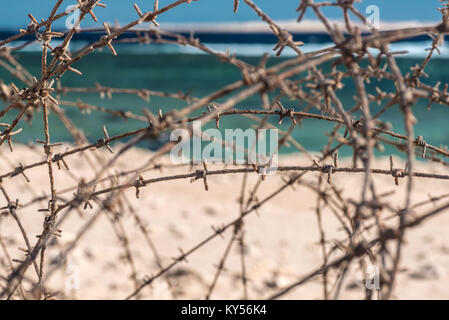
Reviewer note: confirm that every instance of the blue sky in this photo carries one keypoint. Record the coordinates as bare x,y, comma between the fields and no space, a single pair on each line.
215,10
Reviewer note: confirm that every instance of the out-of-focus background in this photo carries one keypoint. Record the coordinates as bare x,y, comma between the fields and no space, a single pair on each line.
279,243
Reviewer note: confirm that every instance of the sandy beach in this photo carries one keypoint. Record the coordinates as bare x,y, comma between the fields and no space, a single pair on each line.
281,240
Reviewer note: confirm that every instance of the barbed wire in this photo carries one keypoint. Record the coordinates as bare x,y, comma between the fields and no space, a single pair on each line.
316,89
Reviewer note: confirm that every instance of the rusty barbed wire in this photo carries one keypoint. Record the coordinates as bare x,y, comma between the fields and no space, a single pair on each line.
300,79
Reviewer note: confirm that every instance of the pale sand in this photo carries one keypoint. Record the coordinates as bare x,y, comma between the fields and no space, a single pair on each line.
282,241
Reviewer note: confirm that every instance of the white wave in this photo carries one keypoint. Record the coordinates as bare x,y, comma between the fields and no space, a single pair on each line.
413,49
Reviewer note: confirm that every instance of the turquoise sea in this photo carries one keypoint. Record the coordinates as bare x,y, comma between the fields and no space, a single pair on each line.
199,75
